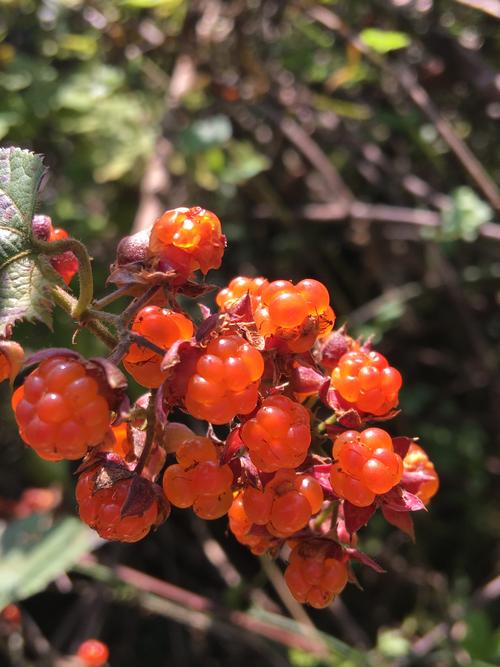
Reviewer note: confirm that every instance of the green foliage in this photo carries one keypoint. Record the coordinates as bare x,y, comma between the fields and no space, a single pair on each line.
36,550
384,41
24,286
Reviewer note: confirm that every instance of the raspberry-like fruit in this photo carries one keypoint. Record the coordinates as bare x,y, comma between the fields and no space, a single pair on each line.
11,359
415,460
365,465
279,434
313,576
296,314
256,538
162,327
366,380
286,503
198,480
226,381
60,410
237,288
66,264
105,509
187,239
93,653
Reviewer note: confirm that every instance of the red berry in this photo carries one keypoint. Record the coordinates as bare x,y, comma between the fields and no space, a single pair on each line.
162,327
279,435
60,410
11,359
237,288
103,509
93,653
66,264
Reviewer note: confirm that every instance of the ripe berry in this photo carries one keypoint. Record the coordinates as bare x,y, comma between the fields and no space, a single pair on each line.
226,380
93,653
66,264
313,576
60,409
416,460
364,466
366,380
198,479
296,314
162,327
105,509
256,538
187,239
279,434
11,359
237,288
286,503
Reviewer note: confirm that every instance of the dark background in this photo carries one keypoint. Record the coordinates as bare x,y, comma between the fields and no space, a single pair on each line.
314,142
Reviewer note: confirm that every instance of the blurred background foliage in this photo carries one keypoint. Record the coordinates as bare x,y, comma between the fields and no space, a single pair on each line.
353,142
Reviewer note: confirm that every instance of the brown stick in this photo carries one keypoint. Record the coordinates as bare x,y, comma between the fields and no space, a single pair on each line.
407,81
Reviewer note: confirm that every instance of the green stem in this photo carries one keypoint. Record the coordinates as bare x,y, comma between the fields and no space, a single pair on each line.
84,269
68,304
321,427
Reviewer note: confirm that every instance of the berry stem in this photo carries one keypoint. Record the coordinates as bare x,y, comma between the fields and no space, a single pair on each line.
100,304
321,427
133,308
68,303
84,269
150,432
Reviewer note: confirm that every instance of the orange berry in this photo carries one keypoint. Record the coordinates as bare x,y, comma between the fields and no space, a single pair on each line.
366,380
60,411
93,653
416,459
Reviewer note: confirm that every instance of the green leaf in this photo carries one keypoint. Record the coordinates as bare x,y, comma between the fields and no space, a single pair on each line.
464,217
383,41
24,285
34,551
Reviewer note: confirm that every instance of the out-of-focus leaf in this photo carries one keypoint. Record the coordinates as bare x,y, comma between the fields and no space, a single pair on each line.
151,4
24,287
85,89
206,133
244,163
463,219
34,551
383,41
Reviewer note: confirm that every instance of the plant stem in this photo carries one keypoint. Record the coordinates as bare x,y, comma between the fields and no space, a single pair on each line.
68,303
133,307
150,433
321,427
101,303
84,269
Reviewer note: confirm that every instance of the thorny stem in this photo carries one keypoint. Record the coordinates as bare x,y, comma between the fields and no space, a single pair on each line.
150,433
85,276
68,304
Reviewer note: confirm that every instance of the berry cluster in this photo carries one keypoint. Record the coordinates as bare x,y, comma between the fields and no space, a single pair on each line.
267,370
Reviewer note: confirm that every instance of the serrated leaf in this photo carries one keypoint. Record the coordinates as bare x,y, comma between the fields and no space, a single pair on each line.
24,285
34,551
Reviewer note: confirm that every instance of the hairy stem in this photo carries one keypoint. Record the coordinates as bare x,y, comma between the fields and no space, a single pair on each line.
85,276
101,303
68,303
